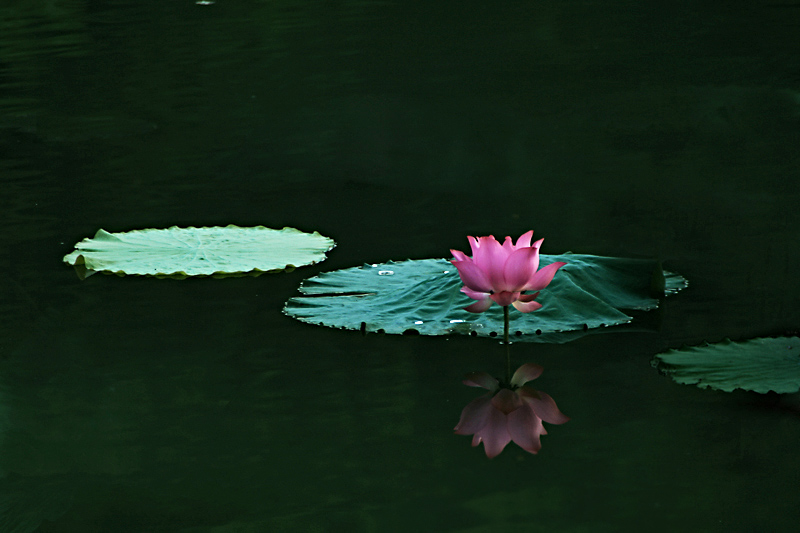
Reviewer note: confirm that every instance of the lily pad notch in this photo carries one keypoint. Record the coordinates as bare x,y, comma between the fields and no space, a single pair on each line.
207,251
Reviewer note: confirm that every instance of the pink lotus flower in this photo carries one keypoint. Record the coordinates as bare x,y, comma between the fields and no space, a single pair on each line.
501,273
508,413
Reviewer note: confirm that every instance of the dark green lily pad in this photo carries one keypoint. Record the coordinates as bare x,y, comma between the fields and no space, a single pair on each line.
181,252
760,365
423,296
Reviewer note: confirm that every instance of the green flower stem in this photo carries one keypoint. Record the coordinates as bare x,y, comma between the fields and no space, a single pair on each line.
505,341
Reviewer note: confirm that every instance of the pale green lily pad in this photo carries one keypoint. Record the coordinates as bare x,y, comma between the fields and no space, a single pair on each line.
760,365
423,296
215,251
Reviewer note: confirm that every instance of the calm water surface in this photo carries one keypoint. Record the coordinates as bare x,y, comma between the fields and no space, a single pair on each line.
144,405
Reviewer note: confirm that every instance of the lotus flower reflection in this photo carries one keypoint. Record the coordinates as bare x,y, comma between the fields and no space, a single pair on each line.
508,413
501,273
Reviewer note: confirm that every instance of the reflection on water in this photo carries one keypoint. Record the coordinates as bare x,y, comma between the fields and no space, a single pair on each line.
512,411
625,130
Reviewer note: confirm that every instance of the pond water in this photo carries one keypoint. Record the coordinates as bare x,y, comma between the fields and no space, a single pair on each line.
665,131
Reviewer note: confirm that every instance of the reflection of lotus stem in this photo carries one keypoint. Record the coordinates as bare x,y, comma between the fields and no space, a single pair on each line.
505,341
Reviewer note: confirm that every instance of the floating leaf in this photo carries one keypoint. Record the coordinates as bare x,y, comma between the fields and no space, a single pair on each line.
759,365
180,252
423,296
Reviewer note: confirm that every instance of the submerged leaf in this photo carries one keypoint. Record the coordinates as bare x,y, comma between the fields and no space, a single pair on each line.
424,296
181,252
760,365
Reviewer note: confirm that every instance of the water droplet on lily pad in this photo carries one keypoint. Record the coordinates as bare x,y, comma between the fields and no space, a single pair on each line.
208,251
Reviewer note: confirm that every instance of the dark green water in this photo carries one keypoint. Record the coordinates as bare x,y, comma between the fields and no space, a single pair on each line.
612,128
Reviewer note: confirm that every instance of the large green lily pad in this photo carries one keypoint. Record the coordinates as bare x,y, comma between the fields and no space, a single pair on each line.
424,296
214,251
760,365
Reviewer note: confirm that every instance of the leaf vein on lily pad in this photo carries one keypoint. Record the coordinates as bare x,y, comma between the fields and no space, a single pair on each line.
760,365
